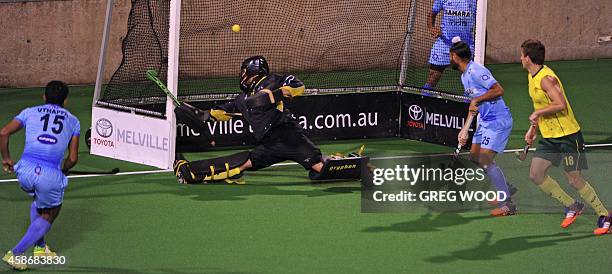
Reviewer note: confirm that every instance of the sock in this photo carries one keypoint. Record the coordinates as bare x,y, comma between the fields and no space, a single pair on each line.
427,87
33,215
552,188
588,194
38,228
498,179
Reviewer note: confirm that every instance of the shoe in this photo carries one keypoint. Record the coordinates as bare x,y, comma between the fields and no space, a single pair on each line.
183,173
9,259
511,188
603,225
571,213
43,251
506,210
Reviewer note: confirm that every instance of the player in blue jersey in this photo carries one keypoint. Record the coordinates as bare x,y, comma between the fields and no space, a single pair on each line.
495,123
49,131
458,19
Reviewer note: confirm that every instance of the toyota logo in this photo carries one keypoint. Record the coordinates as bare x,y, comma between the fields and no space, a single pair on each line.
104,128
415,112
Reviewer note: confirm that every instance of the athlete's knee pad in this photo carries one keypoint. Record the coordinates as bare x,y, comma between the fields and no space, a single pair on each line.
344,168
219,168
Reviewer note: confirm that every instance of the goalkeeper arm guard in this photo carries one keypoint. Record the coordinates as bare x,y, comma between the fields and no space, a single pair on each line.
264,98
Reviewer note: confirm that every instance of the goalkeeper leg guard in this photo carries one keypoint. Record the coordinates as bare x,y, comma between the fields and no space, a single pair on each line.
344,168
219,169
183,173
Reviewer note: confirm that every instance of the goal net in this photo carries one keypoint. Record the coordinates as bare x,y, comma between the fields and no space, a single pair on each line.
331,45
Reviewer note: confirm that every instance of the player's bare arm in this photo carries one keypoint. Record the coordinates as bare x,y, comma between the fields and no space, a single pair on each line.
494,92
463,134
551,86
73,154
531,135
431,26
12,127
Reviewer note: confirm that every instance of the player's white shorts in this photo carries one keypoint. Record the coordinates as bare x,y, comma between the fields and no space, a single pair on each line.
493,135
440,53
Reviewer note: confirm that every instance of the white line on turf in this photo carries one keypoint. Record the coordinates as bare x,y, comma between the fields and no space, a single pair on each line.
279,164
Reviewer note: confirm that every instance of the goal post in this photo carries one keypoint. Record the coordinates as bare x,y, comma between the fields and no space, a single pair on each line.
128,133
480,32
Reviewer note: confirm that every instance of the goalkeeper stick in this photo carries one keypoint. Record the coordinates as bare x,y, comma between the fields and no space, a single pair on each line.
152,75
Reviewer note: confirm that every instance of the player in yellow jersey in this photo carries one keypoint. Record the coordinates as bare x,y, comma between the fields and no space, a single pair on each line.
561,142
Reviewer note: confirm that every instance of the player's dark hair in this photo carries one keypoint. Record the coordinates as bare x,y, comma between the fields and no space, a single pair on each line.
462,50
56,92
535,50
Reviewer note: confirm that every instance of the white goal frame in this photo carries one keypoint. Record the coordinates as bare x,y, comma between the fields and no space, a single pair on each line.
129,134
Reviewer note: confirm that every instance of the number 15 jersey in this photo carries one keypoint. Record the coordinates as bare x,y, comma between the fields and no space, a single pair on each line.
48,131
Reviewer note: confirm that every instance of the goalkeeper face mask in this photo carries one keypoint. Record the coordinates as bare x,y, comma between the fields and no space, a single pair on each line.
245,82
248,82
251,70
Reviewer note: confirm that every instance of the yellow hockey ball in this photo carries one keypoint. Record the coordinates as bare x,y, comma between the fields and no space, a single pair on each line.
236,28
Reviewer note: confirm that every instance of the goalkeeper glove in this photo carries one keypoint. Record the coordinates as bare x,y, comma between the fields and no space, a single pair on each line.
219,115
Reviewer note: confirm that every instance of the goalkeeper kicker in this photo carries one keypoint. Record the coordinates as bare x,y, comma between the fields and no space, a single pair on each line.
278,134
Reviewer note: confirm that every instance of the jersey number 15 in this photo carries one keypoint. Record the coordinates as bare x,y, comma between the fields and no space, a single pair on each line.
58,123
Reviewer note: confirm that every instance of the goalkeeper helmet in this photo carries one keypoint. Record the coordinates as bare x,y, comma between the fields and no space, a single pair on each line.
254,66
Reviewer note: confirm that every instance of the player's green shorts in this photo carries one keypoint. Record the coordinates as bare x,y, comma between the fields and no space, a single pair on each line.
567,150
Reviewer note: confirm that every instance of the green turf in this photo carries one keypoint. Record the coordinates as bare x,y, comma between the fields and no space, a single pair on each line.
280,222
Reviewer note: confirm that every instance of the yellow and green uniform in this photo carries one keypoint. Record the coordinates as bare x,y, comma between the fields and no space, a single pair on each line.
551,125
562,141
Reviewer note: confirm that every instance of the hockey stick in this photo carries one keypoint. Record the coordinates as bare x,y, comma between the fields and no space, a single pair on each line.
522,155
83,172
152,75
468,123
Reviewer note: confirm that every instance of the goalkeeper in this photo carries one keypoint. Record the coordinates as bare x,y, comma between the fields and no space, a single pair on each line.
278,134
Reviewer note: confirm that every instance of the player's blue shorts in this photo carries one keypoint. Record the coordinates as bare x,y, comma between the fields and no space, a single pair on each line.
44,182
440,53
493,135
